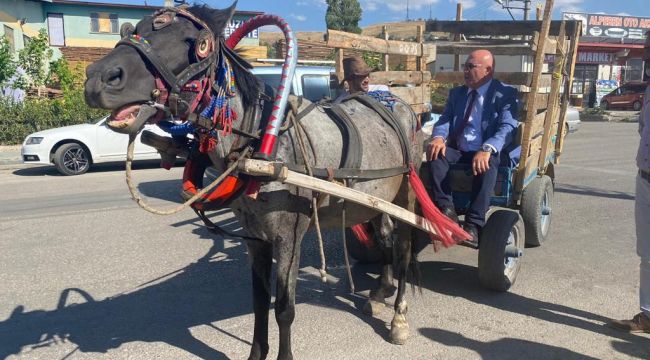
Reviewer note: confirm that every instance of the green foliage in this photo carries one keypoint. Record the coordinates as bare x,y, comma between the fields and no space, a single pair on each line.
374,60
33,58
439,94
19,119
7,62
343,15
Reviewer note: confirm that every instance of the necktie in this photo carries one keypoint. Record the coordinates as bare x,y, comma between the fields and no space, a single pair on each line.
459,128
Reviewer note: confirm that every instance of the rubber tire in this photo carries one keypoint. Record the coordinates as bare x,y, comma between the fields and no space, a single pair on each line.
531,210
360,252
604,105
59,159
492,271
636,106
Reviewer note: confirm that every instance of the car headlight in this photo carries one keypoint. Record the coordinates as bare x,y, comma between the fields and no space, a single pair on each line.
33,140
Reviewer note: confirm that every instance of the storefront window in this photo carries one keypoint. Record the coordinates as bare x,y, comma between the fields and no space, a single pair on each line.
584,77
634,70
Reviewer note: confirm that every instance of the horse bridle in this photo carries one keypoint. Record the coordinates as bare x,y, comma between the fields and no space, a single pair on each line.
169,86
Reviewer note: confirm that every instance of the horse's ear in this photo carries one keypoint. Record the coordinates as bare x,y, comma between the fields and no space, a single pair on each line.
217,19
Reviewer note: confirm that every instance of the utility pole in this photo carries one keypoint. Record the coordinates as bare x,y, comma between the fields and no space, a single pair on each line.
526,9
407,10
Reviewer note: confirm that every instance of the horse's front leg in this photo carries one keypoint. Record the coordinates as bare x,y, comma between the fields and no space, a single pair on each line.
399,328
261,256
383,227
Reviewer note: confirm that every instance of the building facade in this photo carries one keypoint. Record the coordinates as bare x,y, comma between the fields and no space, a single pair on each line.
610,51
79,30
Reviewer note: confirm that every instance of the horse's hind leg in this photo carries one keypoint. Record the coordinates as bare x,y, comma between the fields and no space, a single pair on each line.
399,328
383,227
261,256
287,254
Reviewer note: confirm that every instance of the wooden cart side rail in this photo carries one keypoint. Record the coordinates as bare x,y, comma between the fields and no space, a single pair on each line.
344,40
499,28
568,85
531,113
552,111
510,78
400,77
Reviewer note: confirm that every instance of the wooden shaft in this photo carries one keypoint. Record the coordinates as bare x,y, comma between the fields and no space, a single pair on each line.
266,168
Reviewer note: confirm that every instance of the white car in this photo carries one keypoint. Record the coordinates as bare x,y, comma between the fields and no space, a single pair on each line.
73,149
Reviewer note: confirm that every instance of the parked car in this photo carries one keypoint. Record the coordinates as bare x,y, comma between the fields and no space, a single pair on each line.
310,82
572,119
74,149
626,97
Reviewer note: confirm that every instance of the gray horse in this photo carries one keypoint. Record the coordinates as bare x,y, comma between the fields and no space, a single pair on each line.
280,215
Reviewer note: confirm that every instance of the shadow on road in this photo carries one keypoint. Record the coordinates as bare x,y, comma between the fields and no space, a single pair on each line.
589,191
164,309
95,168
459,280
161,310
503,349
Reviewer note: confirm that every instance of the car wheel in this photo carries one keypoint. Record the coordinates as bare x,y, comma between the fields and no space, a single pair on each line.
636,105
536,204
72,159
604,105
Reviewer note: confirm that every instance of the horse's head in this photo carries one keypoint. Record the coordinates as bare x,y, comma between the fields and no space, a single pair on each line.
149,69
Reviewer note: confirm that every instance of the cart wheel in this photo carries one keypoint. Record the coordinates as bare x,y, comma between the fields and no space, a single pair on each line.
359,251
536,205
502,244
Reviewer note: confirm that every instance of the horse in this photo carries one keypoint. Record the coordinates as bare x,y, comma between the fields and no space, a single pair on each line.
170,46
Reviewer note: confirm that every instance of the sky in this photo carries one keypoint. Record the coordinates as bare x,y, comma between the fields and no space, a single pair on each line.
309,15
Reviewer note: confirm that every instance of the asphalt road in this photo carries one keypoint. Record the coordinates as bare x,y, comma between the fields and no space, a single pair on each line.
85,273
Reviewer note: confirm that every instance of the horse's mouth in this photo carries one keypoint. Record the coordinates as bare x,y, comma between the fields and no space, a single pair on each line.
130,119
123,117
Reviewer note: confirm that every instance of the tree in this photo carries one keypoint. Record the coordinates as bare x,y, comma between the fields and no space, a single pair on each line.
7,62
343,15
33,59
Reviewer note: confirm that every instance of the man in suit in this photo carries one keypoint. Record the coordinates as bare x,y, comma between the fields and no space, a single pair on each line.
479,120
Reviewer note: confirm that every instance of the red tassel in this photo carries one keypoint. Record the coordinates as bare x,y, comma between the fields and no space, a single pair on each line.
362,233
449,233
207,143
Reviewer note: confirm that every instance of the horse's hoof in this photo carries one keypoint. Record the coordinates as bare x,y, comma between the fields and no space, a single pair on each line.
373,307
399,330
399,335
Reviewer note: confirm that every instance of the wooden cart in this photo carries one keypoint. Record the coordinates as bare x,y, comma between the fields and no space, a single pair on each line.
522,201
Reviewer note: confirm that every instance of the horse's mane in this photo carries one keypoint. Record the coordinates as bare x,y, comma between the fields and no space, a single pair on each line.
247,84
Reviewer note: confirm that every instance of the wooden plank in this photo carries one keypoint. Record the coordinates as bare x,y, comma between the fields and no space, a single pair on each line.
266,168
550,45
537,71
421,108
501,27
571,57
400,77
512,78
384,31
537,126
541,101
421,62
338,55
552,110
462,48
411,95
340,39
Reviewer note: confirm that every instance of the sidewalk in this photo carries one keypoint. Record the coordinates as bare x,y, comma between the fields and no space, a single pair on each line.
10,155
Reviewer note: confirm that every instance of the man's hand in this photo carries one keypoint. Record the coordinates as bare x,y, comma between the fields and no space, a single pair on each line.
436,147
481,162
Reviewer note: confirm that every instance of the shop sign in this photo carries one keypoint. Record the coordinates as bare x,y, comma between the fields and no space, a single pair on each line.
595,57
234,24
611,26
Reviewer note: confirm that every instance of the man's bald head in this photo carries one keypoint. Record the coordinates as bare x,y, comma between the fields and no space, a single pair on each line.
479,68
